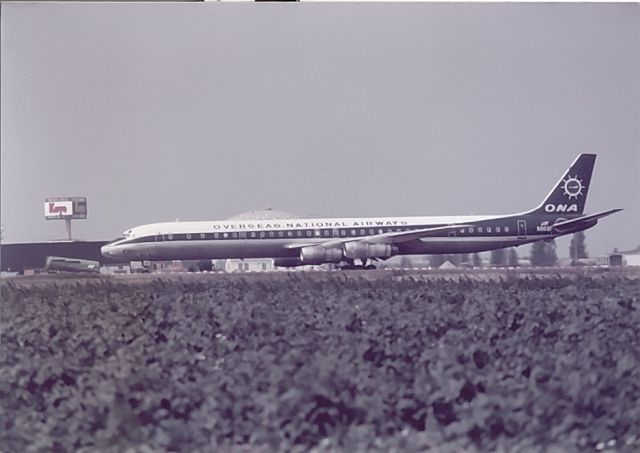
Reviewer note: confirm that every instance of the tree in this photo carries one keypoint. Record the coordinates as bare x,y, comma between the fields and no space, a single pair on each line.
498,258
577,248
537,257
477,261
551,253
543,253
512,258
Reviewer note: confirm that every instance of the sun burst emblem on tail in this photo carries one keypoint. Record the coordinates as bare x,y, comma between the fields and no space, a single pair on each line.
572,187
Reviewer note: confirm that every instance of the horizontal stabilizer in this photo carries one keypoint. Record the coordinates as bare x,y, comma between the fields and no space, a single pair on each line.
570,224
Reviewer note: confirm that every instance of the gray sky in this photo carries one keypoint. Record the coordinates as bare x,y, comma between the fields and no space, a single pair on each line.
203,111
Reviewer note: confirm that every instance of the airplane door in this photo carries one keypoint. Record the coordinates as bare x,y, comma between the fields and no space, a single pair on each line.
522,229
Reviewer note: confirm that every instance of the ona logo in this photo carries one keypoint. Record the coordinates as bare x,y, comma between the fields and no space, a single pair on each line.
561,208
572,187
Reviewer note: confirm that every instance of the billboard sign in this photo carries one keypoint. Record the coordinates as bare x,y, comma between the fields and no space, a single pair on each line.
65,208
57,209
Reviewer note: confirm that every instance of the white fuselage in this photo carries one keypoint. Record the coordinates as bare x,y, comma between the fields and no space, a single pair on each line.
315,241
284,237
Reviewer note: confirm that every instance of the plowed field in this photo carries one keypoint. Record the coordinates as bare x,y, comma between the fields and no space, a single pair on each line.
320,361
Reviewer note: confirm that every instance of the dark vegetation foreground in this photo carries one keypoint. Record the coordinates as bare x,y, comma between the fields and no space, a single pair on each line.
327,363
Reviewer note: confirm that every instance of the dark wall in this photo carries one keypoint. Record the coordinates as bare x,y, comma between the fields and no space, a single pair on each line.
16,257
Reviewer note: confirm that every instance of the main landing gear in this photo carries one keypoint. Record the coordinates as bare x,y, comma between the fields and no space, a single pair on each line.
352,266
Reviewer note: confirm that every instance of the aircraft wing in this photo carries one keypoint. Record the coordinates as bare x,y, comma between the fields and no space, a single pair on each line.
393,237
568,224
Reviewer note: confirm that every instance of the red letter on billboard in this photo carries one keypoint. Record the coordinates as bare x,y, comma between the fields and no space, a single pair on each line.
53,209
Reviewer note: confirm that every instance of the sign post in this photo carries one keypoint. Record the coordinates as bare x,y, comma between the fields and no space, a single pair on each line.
68,228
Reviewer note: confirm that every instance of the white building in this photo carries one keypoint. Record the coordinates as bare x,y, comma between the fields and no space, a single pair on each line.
620,258
249,265
115,269
629,257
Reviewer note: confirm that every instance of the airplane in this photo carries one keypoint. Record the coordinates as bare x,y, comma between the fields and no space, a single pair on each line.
357,243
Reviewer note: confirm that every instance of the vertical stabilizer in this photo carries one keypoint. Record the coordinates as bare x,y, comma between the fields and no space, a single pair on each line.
570,192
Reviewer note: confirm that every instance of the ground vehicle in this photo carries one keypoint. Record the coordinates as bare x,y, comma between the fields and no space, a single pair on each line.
62,264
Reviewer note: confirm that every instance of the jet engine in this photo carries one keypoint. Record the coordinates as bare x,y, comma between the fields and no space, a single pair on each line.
361,250
319,255
287,262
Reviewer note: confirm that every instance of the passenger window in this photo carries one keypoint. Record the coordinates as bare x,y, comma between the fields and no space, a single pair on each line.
506,229
309,233
488,229
188,235
343,232
326,233
253,234
170,236
371,231
272,234
353,232
362,232
225,235
471,230
202,235
497,229
234,235
461,230
281,234
299,233
290,233
479,229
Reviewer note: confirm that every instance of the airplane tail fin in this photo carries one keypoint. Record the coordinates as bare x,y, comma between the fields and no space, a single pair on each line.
570,192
